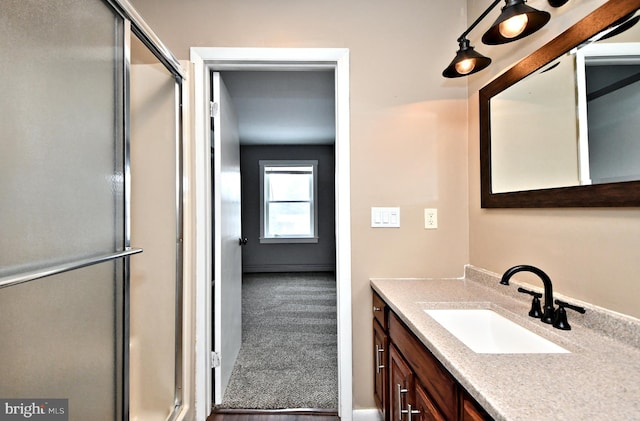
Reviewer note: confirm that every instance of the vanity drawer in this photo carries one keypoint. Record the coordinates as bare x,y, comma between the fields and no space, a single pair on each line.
380,310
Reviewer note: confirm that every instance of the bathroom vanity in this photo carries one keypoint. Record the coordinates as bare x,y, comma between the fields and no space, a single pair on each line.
423,371
419,386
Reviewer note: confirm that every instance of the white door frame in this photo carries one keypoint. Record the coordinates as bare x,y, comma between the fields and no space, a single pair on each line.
206,59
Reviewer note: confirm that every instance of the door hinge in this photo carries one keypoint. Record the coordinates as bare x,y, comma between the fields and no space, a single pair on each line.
215,360
213,109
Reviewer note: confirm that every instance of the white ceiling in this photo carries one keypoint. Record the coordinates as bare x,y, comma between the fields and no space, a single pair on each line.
283,107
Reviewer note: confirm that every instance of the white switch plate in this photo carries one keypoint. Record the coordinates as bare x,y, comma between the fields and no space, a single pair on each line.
385,217
430,219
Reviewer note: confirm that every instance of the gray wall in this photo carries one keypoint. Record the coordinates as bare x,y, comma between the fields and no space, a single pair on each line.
258,257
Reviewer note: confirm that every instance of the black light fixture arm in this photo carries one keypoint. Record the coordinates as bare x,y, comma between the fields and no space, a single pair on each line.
477,21
516,21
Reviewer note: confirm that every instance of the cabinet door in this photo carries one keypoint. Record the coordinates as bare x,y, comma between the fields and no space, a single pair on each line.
400,385
380,344
471,411
427,411
441,386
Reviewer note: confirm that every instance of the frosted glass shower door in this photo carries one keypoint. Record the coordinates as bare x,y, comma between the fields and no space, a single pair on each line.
156,320
62,206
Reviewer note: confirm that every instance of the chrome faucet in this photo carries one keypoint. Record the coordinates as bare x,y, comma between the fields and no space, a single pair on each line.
548,311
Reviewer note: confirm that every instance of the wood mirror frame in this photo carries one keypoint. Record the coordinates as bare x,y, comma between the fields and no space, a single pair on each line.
596,195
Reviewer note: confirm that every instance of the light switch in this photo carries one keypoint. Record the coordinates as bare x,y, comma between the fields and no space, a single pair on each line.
385,217
376,217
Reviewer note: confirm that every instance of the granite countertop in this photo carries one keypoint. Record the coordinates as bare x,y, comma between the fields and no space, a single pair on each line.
598,380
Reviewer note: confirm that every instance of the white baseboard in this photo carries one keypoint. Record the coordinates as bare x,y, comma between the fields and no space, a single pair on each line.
367,415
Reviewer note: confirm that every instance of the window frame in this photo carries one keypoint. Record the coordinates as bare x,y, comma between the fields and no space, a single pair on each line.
313,238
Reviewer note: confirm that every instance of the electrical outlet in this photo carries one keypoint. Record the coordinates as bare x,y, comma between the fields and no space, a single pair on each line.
430,219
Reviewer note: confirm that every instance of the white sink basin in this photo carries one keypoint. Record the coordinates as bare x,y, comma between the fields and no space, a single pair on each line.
487,332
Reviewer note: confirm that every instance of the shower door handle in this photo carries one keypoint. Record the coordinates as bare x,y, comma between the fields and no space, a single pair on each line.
10,280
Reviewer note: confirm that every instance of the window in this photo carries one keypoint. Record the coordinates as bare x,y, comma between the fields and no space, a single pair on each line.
288,205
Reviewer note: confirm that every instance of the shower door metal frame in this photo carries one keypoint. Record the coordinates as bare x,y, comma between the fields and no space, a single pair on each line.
133,24
136,26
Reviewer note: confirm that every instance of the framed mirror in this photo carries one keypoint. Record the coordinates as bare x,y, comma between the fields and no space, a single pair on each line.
562,127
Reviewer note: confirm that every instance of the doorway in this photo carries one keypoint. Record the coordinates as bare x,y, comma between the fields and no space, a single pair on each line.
206,59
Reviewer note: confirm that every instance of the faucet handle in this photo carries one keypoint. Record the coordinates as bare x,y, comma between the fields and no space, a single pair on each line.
536,310
560,321
532,293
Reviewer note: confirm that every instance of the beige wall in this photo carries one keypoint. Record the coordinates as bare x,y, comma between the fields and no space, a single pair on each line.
409,132
408,124
591,254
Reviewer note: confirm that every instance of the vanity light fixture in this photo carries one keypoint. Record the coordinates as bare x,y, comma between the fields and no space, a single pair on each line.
516,21
557,3
466,62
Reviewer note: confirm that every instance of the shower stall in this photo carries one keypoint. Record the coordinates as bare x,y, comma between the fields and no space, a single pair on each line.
91,214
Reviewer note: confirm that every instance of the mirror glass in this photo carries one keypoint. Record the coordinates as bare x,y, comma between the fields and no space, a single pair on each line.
573,122
562,127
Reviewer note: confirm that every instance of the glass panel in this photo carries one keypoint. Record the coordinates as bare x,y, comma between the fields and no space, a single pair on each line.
61,110
62,200
613,115
58,336
154,229
289,186
289,219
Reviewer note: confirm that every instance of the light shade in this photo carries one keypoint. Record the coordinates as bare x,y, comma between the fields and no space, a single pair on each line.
516,21
466,62
557,3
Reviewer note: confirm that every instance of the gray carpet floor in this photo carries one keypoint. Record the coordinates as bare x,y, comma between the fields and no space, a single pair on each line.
288,357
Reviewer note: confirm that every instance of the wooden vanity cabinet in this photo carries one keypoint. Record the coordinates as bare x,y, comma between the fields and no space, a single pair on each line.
401,380
439,389
380,311
380,356
413,385
471,411
380,351
408,400
425,407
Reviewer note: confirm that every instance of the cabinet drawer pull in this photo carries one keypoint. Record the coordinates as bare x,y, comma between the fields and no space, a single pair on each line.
376,308
378,365
411,412
400,410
